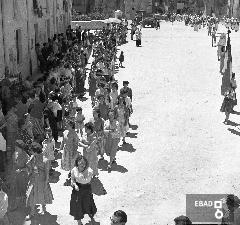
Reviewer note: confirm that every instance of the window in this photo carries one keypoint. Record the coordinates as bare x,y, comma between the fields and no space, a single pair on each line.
35,4
48,28
14,9
57,27
19,45
36,33
47,6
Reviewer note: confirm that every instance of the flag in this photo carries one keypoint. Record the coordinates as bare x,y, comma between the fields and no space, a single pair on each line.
225,61
227,70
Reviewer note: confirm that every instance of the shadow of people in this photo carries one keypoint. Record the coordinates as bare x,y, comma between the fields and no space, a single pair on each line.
67,182
93,222
46,219
235,112
133,127
127,148
118,168
234,131
54,178
231,123
97,187
131,135
103,165
83,99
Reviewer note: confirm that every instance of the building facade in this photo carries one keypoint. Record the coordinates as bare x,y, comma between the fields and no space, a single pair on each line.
23,23
133,6
83,6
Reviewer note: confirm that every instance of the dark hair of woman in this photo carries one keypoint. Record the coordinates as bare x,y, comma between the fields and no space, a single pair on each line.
71,124
53,80
89,126
115,85
120,98
32,94
42,97
78,109
79,158
24,100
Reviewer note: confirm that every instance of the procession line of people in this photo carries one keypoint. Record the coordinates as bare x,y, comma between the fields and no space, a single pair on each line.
48,109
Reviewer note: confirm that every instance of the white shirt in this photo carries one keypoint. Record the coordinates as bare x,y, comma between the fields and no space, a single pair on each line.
56,107
68,73
2,143
3,204
79,178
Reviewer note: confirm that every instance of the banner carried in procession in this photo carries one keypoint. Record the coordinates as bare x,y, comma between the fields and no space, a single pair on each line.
89,25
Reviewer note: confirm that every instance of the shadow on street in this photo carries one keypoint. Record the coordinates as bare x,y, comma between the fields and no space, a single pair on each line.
103,164
234,131
97,187
127,148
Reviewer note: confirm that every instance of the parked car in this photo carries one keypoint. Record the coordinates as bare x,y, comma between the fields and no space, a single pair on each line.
148,22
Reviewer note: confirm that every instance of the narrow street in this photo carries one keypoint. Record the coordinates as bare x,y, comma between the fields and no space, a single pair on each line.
178,143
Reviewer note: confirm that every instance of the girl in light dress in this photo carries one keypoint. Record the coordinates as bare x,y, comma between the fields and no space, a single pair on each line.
114,94
122,115
28,126
49,148
39,191
69,146
112,132
98,124
90,151
73,107
79,120
4,205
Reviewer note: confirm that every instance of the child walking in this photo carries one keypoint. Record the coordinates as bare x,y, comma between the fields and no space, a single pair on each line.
79,119
49,148
121,59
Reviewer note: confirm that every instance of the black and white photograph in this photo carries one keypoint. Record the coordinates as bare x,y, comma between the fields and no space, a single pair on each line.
119,112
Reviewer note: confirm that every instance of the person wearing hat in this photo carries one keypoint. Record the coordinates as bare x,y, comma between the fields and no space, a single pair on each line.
39,191
126,88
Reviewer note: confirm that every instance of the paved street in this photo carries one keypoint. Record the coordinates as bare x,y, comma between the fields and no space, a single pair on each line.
178,143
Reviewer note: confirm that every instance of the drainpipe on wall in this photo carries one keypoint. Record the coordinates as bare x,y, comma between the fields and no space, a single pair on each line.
29,41
3,33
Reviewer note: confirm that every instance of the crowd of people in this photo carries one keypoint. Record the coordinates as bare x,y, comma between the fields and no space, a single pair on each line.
34,116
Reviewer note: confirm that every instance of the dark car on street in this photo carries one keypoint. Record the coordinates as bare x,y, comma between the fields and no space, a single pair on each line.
148,22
